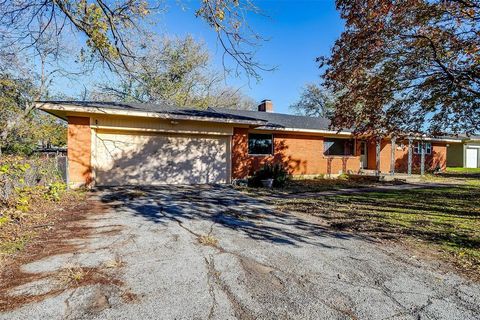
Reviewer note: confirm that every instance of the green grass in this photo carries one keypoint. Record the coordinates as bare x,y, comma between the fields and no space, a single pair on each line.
460,170
445,220
296,186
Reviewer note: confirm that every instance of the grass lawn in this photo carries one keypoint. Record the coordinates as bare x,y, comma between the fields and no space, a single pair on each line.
460,170
315,185
443,221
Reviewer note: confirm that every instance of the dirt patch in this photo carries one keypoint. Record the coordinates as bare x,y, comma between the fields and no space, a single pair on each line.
69,224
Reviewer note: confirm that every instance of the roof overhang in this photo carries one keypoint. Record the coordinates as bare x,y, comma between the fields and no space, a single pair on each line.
63,111
300,130
449,140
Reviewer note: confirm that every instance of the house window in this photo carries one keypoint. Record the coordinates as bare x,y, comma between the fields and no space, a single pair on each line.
260,144
338,147
417,148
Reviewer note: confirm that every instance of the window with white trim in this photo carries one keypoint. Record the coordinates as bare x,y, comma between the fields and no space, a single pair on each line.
417,148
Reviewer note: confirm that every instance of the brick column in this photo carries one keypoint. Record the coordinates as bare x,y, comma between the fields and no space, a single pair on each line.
79,152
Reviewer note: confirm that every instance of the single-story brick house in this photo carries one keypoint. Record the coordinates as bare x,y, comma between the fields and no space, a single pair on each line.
130,144
465,154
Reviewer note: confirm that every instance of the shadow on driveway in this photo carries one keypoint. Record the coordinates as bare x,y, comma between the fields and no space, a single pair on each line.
222,205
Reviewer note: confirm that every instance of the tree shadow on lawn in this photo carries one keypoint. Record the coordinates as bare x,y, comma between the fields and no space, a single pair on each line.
452,174
218,204
444,216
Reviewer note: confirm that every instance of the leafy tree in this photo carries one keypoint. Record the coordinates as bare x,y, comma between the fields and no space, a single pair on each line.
49,131
22,130
408,65
107,27
176,71
315,101
14,97
24,81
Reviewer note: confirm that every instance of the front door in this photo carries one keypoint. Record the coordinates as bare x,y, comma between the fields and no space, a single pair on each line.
363,155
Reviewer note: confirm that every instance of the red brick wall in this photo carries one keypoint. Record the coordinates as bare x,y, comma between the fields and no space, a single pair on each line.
437,158
301,154
79,151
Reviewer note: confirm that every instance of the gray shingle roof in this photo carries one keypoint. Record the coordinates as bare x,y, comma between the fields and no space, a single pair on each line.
156,108
271,120
280,120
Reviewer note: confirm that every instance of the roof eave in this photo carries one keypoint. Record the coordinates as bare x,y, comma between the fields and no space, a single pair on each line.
324,131
62,110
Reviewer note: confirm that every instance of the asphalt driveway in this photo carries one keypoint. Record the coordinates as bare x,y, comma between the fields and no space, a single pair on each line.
208,252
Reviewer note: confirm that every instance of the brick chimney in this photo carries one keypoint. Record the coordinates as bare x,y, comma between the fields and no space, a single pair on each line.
265,106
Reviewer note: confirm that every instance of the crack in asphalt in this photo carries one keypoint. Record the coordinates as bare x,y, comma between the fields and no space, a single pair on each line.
211,289
68,309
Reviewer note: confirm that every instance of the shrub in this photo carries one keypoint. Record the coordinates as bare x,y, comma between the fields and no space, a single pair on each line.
55,190
343,176
24,181
275,171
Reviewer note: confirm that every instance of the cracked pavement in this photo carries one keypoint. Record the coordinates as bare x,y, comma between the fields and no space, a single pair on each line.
265,265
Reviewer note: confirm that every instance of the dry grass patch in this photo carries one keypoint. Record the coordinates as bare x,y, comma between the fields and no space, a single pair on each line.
136,194
72,275
208,240
65,224
295,186
114,263
42,214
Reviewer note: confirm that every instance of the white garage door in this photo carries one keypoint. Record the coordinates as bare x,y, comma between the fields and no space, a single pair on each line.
156,159
472,158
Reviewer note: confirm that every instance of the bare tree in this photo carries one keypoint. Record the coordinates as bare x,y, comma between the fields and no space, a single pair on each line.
175,71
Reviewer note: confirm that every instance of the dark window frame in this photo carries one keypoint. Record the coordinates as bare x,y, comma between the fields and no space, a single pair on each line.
260,154
352,149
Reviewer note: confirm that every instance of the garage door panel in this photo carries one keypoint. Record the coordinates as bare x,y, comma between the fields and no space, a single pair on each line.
160,159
